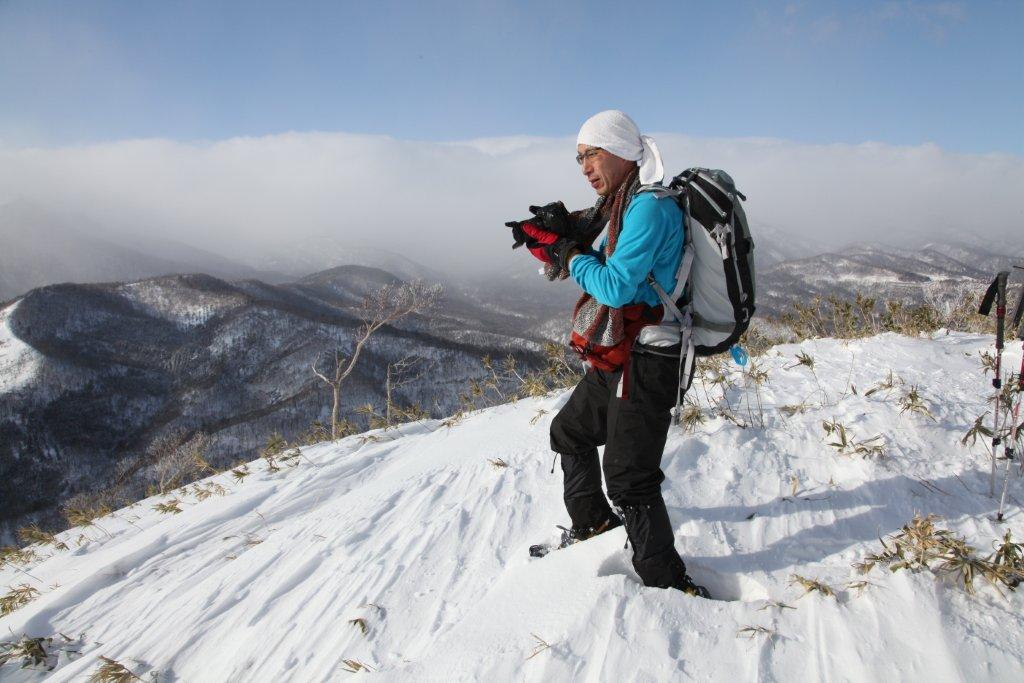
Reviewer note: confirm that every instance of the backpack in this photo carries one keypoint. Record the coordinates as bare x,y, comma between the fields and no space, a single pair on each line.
713,301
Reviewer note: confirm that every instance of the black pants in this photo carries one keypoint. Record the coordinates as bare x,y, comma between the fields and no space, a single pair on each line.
633,431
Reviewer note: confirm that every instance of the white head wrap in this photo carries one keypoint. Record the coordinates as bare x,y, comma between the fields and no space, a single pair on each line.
614,131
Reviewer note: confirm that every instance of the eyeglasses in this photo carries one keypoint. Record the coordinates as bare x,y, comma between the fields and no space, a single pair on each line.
589,154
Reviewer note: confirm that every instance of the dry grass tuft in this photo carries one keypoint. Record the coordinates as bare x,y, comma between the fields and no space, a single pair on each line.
112,671
31,652
976,430
812,586
170,507
15,556
886,385
360,623
752,632
33,534
847,445
691,417
80,513
921,545
497,463
240,472
203,491
17,597
354,666
911,402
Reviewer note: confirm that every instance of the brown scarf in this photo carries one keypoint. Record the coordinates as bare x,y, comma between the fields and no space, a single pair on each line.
600,325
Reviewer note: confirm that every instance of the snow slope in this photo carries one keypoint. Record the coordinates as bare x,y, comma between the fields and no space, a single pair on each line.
416,532
18,360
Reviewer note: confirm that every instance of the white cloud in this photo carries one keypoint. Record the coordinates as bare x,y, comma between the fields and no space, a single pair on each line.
444,203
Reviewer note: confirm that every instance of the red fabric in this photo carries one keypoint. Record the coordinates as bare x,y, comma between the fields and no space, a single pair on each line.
542,236
611,358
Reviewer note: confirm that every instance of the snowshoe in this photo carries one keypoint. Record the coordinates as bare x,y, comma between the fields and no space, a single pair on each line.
574,535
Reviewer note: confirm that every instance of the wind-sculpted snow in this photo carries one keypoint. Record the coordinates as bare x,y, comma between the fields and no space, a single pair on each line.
405,551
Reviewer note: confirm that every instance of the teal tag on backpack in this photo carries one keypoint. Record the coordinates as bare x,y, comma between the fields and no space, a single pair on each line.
739,355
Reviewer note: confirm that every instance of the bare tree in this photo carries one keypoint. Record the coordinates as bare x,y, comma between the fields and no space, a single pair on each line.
381,307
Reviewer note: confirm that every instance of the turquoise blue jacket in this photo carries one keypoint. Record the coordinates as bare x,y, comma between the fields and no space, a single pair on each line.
651,240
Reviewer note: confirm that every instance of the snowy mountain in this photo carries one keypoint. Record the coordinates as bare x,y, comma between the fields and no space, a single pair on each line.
404,552
883,272
93,375
310,254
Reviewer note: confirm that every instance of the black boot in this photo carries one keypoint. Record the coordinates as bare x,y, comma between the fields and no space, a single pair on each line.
577,534
654,554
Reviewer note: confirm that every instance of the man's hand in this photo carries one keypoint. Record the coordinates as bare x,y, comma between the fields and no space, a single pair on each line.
562,251
554,217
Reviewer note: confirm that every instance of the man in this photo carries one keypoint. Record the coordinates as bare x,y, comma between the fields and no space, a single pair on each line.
625,399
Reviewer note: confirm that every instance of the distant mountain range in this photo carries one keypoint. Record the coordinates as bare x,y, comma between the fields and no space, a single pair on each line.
91,374
881,272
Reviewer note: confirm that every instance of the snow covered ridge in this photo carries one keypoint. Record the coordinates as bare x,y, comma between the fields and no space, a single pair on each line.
404,553
18,360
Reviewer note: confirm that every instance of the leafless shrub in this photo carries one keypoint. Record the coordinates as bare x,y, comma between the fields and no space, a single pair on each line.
539,647
178,458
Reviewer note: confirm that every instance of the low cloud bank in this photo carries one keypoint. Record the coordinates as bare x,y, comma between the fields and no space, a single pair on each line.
444,203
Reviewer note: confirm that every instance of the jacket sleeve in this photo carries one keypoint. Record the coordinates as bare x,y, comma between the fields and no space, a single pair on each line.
646,228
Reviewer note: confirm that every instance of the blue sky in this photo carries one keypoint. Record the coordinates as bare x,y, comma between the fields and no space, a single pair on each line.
901,73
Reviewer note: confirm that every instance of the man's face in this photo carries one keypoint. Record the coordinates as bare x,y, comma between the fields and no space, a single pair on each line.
603,170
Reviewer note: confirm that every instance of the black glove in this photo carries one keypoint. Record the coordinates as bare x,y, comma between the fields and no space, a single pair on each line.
559,252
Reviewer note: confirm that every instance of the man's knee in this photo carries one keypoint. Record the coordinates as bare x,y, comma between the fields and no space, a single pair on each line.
630,486
569,435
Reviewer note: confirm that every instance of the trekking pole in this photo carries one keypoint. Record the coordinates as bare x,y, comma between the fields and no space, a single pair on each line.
1010,448
997,292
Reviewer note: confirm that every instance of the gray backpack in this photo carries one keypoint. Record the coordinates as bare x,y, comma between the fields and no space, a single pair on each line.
713,301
